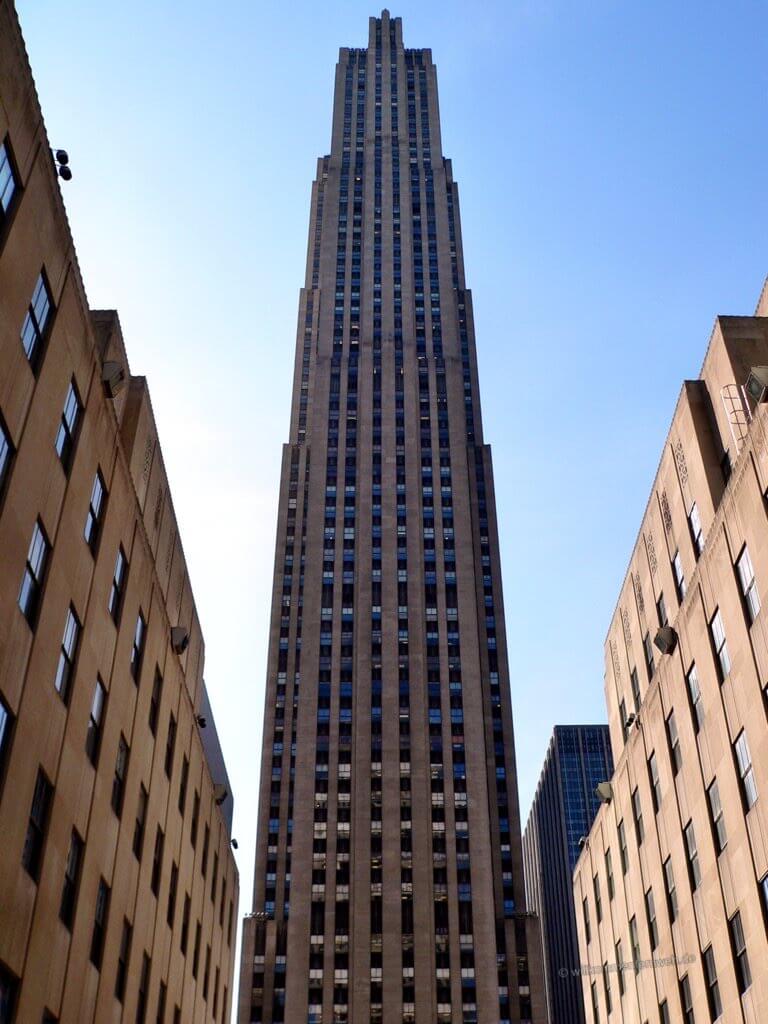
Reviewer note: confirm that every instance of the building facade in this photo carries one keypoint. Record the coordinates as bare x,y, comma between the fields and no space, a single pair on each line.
673,880
388,880
118,888
562,812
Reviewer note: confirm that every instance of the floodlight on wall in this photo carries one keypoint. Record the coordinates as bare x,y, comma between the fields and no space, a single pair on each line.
665,639
112,378
179,639
233,843
604,792
201,720
630,721
61,159
757,384
220,794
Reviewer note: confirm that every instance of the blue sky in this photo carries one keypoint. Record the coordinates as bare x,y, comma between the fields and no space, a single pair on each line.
611,159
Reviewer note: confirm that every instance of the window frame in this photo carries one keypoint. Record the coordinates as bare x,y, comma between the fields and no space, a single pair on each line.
37,573
117,587
678,574
35,839
68,652
720,645
748,585
745,771
716,817
69,427
94,518
7,456
739,953
96,726
70,889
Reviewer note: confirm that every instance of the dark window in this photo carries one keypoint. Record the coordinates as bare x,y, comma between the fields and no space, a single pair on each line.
595,1006
673,739
36,321
141,822
609,874
34,574
6,454
623,847
697,534
721,647
692,856
620,967
95,723
9,991
713,989
664,1013
172,887
123,958
648,652
95,509
185,925
716,817
141,1001
161,1000
204,859
746,773
671,891
637,811
118,782
739,949
607,989
170,746
154,703
9,187
71,880
67,433
157,860
39,814
653,775
6,731
67,654
598,899
196,952
748,585
661,611
686,1000
137,650
118,585
100,923
635,684
195,819
585,911
183,784
650,913
677,571
634,942
207,972
214,876
694,695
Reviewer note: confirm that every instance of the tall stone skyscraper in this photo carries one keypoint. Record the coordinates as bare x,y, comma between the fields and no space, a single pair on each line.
389,882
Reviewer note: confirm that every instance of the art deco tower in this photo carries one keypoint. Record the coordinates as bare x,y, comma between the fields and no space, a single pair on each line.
389,883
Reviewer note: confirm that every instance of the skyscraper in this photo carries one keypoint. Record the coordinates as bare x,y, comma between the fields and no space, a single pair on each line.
388,879
563,809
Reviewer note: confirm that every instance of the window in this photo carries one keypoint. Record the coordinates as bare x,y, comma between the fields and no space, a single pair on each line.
661,611
6,729
170,746
195,819
650,913
721,647
154,703
141,823
637,813
9,184
671,891
183,784
585,911
118,585
9,991
157,860
71,880
34,574
713,989
214,877
141,1001
196,951
694,695
95,509
185,925
748,586
172,887
746,774
99,923
607,989
677,572
692,856
623,848
623,719
118,782
35,322
686,1000
34,842
204,859
716,817
620,967
598,900
123,958
635,684
64,669
137,651
609,874
739,950
595,1006
95,723
697,535
648,652
673,739
664,1013
67,433
161,1000
653,775
6,453
634,943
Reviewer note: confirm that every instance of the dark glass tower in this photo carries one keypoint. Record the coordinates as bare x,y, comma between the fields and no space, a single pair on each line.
563,809
389,882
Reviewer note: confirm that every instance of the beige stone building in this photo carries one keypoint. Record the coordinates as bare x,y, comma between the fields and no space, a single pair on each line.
674,872
118,888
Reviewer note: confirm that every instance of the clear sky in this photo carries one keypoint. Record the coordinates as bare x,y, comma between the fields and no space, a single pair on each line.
611,158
